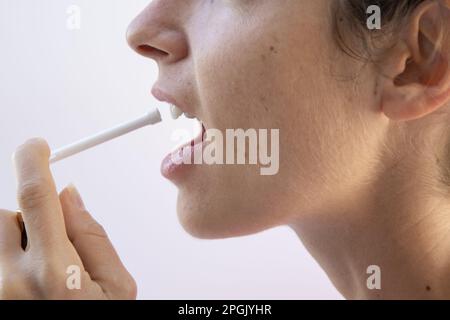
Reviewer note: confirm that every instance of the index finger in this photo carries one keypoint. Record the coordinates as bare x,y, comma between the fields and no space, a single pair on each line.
37,195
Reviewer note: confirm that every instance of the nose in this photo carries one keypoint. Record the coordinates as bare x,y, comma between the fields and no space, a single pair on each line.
157,33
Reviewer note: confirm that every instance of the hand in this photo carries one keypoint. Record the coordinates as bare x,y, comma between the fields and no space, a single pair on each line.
63,239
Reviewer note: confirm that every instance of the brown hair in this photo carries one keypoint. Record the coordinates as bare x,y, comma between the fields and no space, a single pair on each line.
351,18
357,41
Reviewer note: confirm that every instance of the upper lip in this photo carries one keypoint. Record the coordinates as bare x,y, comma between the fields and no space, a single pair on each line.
162,96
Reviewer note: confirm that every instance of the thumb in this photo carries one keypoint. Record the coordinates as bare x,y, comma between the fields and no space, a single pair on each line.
96,251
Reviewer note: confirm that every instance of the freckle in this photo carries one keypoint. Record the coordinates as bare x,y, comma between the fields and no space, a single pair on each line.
263,57
272,48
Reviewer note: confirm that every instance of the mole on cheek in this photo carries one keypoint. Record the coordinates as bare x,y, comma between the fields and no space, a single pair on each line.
428,288
263,99
273,49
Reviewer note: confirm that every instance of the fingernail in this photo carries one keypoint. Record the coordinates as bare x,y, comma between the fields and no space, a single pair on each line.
75,196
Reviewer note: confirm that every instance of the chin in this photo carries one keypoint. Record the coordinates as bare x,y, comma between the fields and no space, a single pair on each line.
206,216
201,221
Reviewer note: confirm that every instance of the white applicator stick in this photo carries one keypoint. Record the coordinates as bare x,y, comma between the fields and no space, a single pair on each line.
150,118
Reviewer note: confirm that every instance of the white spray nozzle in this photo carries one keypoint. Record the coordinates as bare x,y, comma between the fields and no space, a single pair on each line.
152,117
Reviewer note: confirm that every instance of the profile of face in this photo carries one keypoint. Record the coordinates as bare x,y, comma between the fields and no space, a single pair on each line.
266,64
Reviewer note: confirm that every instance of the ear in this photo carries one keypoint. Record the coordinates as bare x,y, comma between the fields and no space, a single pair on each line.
415,78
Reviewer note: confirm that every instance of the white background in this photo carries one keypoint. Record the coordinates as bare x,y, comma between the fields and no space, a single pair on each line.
63,85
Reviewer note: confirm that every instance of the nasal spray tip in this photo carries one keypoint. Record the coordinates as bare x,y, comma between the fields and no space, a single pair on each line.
150,118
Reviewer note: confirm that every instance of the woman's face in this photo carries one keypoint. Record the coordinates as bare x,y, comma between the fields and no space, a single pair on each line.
262,64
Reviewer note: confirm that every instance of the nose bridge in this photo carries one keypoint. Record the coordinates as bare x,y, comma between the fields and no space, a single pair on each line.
157,32
155,15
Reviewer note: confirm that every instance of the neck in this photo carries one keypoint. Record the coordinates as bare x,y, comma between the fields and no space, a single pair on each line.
400,225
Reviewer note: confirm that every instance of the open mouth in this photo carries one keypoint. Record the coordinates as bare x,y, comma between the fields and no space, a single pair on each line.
184,156
195,142
176,112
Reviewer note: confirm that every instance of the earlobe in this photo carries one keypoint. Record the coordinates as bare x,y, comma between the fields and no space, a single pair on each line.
416,74
414,103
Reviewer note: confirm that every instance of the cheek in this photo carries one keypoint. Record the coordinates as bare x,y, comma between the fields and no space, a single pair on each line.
252,77
236,87
240,76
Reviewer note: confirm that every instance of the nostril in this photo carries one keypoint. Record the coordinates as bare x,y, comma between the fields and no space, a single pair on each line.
151,52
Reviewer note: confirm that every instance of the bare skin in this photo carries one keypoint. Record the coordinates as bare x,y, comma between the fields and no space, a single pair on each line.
360,180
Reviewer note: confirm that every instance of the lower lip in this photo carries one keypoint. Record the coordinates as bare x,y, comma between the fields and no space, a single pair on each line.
174,170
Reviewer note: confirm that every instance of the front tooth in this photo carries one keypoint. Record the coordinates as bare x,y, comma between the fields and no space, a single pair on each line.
175,112
189,116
